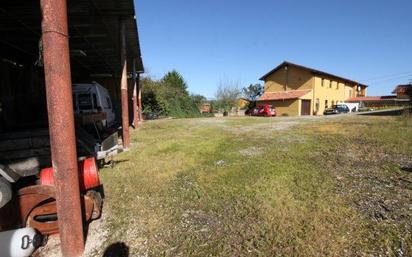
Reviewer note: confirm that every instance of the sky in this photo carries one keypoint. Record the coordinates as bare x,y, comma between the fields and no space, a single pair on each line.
214,41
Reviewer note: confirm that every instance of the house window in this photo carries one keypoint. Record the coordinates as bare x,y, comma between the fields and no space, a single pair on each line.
337,85
323,82
326,103
330,84
333,103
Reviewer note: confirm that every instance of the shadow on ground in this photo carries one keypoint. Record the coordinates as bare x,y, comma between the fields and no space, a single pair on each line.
118,249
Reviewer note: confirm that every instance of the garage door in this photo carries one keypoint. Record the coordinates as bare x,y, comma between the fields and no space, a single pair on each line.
305,107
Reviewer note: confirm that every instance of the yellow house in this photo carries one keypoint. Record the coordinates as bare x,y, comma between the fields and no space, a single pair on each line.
297,90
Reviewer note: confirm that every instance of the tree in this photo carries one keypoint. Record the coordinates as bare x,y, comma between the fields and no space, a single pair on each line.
227,95
174,79
198,100
252,92
169,97
152,99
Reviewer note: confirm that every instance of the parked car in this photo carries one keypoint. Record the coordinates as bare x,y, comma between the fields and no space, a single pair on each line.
353,107
266,110
337,109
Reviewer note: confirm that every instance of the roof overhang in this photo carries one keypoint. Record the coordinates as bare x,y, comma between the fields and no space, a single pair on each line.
284,95
313,71
94,37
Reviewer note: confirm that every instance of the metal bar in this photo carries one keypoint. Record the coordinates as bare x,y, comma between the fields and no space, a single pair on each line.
123,86
61,125
135,110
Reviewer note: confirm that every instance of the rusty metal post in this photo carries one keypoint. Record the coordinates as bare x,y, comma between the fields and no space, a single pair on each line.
135,105
135,110
139,96
61,125
123,86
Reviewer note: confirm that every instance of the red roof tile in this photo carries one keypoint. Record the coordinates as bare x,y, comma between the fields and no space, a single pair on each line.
283,95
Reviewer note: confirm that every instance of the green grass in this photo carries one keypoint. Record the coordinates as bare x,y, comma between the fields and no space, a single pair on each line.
263,187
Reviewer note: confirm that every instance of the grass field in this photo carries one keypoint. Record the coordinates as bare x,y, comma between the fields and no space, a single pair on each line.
331,186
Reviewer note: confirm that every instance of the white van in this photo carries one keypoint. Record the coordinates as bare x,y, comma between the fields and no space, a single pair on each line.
88,98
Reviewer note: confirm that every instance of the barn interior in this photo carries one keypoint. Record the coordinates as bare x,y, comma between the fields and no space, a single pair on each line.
95,30
94,51
94,41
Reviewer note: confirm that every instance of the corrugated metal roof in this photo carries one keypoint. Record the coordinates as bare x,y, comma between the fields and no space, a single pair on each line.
283,95
93,29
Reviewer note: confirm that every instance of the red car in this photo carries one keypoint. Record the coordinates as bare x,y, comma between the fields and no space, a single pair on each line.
266,110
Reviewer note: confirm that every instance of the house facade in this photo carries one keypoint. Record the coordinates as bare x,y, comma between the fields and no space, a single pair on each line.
297,90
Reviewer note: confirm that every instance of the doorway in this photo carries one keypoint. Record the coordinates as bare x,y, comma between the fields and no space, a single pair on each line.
305,107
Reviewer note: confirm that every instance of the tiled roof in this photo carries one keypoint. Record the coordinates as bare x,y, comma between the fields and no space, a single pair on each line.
318,72
370,98
283,95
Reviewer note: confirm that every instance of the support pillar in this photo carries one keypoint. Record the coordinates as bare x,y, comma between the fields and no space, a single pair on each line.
135,103
139,97
123,87
61,125
135,107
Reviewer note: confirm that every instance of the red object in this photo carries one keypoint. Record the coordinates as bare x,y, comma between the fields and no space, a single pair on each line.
262,110
88,176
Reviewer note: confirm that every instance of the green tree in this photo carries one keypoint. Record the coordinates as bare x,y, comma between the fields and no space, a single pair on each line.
174,79
252,92
152,97
198,100
169,97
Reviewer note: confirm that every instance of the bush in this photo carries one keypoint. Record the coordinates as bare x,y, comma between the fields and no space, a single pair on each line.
169,97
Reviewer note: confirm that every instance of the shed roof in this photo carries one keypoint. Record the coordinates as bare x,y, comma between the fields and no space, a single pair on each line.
314,71
402,88
93,34
283,95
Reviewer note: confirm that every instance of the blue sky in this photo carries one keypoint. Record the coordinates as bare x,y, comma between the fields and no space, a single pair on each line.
219,40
